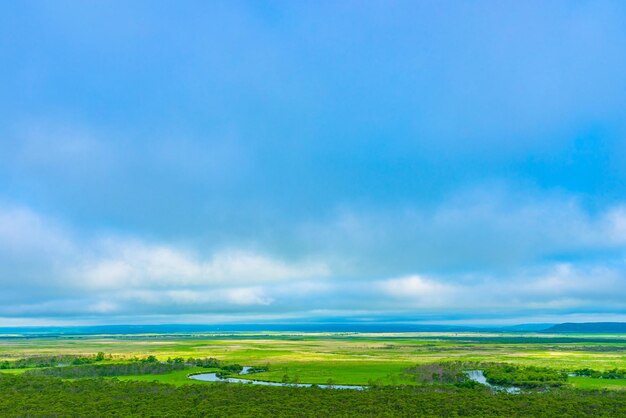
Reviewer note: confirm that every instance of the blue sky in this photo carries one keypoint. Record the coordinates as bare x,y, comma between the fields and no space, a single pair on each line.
436,162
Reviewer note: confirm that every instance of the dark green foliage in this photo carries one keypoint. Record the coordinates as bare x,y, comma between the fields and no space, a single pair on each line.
259,369
44,396
48,361
524,377
82,360
232,368
469,384
148,365
608,374
209,363
228,369
114,369
499,374
175,360
438,373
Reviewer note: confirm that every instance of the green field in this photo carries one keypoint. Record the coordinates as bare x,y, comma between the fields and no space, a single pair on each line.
344,358
589,383
179,377
416,374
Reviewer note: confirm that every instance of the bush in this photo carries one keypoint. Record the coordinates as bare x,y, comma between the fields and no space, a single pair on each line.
525,377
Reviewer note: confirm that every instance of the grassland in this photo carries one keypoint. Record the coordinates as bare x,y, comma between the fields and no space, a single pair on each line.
178,377
147,375
590,383
344,358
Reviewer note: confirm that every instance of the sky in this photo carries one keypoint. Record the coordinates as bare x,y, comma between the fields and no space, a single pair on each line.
245,161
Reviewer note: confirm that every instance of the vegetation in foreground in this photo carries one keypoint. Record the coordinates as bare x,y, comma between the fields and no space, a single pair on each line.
407,375
346,358
44,396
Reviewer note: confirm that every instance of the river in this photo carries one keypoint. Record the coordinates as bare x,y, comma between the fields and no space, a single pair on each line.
475,375
479,376
212,377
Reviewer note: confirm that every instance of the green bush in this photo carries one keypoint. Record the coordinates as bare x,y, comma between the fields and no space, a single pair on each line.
41,396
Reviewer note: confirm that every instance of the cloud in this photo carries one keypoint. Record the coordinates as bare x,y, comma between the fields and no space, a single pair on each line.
615,224
136,264
66,274
405,263
483,228
24,232
248,296
263,166
419,291
202,299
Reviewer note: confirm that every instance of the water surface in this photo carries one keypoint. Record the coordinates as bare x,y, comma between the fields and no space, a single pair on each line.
212,377
479,376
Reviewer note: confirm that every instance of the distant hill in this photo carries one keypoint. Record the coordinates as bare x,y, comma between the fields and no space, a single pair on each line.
589,327
228,328
527,327
390,327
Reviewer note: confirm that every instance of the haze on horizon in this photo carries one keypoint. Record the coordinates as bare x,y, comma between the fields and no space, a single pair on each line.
241,161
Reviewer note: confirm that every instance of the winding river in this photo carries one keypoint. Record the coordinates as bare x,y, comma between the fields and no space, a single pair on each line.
475,375
212,377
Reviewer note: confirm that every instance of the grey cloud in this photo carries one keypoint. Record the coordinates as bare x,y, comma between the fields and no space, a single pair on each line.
476,253
487,228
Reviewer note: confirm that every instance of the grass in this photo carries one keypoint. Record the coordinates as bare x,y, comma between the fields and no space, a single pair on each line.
591,383
13,371
314,372
345,372
346,358
178,377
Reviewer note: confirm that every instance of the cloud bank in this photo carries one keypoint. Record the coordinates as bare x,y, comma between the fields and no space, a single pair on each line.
522,261
231,161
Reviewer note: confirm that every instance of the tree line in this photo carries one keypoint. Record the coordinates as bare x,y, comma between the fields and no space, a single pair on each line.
52,361
607,374
147,365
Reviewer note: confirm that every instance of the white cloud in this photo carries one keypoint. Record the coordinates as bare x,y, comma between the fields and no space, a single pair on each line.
103,307
209,298
616,224
419,290
135,264
548,288
24,232
247,296
111,275
67,274
489,229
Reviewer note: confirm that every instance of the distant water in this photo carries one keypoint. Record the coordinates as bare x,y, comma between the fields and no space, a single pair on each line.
479,376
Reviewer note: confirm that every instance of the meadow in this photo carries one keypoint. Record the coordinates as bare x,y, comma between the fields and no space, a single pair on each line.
343,358
404,374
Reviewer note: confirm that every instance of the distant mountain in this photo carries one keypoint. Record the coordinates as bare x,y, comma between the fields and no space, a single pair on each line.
527,327
220,328
373,327
589,327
